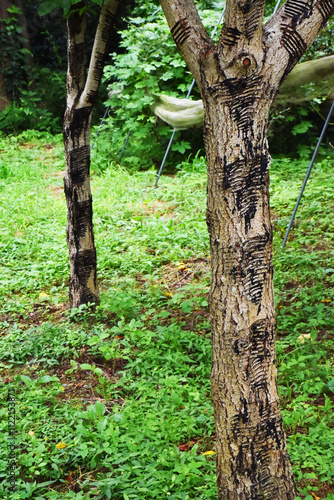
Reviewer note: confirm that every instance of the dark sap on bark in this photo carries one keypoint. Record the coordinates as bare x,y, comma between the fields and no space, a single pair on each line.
80,236
251,447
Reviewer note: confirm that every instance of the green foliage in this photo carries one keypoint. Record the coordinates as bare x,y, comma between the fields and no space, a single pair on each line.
37,94
48,6
36,109
148,64
12,56
304,122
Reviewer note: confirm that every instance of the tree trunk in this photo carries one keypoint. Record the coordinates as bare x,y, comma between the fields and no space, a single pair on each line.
251,452
238,79
82,91
80,237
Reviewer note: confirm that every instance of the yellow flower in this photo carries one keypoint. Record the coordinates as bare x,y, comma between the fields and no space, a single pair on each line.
61,445
168,294
183,267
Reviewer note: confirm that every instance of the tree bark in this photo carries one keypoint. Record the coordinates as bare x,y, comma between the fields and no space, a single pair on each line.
239,79
252,459
81,95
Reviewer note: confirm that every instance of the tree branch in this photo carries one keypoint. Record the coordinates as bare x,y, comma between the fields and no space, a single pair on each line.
291,31
76,52
242,27
100,47
188,32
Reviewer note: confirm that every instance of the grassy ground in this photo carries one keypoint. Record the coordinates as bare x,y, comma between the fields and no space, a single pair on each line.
116,405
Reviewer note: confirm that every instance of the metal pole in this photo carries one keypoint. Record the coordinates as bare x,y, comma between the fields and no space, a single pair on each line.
123,149
308,174
164,159
187,97
276,7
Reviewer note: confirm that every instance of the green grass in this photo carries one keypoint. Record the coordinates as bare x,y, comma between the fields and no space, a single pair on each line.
116,404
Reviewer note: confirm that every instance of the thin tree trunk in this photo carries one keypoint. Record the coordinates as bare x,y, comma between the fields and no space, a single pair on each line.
80,237
81,95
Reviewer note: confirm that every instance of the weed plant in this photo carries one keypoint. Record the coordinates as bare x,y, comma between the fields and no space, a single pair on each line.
115,404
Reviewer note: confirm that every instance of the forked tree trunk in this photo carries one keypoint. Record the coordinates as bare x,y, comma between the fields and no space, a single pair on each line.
82,91
238,80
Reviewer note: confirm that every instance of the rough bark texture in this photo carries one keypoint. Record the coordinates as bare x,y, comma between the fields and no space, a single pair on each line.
81,95
239,79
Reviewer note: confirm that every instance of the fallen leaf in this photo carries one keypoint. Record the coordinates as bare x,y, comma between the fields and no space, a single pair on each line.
304,336
69,478
210,452
325,301
43,295
186,446
31,433
315,496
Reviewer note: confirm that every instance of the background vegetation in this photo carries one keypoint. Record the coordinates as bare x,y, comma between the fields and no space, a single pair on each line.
143,62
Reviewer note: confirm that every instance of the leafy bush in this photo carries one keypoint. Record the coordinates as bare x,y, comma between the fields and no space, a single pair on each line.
40,107
148,65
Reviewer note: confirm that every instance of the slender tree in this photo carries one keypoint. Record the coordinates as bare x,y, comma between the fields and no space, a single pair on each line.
83,81
238,79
